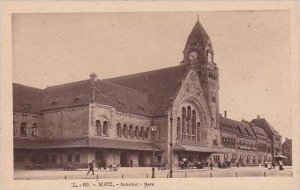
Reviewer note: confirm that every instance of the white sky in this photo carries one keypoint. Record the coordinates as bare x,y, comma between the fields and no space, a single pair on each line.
252,51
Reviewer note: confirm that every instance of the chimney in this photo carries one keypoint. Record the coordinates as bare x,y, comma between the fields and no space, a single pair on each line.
258,116
225,114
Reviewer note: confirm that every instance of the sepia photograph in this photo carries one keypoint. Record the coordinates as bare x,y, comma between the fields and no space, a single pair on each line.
152,95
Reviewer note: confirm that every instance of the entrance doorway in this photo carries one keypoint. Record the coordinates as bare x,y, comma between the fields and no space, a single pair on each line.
99,157
141,160
124,159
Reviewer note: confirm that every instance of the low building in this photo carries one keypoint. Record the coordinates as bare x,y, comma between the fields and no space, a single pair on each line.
287,151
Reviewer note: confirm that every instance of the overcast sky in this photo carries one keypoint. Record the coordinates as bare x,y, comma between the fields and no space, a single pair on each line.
252,51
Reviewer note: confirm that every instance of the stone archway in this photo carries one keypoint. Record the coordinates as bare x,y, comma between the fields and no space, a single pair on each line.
124,162
141,160
99,157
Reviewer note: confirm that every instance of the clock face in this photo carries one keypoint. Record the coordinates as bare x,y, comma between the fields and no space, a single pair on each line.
209,57
193,56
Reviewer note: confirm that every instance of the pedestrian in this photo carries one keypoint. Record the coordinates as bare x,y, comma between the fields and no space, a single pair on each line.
131,163
211,165
99,165
266,164
273,165
280,165
91,166
104,165
269,165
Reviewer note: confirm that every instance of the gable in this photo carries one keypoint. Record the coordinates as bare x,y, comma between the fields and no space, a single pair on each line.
191,92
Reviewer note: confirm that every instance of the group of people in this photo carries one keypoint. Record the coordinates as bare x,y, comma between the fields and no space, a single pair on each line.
100,166
271,165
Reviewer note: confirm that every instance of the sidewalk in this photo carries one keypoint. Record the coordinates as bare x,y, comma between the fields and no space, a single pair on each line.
144,172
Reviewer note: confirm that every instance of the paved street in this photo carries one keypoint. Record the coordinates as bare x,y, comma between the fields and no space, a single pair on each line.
146,172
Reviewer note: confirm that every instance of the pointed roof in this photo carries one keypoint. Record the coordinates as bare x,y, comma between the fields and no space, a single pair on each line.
264,124
160,85
26,99
198,34
240,128
146,94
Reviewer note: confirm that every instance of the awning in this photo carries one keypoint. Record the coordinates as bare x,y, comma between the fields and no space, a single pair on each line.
193,148
279,156
121,144
84,143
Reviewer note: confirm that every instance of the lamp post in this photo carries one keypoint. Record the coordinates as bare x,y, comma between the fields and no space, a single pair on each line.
171,140
153,130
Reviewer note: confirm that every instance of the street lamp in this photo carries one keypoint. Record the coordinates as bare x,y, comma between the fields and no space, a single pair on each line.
153,130
171,139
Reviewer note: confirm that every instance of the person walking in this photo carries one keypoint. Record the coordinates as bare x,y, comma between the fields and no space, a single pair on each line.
211,165
91,166
104,165
99,165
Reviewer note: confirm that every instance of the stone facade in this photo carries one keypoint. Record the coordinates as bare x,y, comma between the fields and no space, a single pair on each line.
110,121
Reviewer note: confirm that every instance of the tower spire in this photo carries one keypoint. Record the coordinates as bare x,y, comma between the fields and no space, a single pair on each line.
198,18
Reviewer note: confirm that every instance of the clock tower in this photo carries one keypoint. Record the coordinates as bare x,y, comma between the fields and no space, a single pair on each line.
199,55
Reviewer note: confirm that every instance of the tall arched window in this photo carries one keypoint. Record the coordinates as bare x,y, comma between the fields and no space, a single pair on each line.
183,120
136,132
147,135
119,130
178,128
34,130
142,134
105,128
125,130
98,127
23,129
188,123
198,132
194,122
131,131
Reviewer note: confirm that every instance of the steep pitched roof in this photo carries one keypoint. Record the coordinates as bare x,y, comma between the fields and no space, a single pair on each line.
198,34
80,93
26,99
259,132
287,143
146,93
67,95
159,85
240,128
124,99
262,123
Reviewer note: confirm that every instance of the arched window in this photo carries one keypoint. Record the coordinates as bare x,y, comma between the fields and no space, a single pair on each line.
198,132
34,130
136,132
125,130
188,119
142,133
178,128
98,127
119,130
23,129
147,134
183,120
105,128
131,131
194,122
